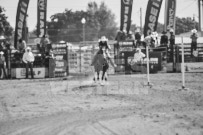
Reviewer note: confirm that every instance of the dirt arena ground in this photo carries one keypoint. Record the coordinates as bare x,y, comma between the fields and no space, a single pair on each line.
125,106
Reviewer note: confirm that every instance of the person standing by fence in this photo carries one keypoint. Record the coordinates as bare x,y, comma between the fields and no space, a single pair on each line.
44,44
194,38
138,38
22,45
28,59
164,39
2,63
171,44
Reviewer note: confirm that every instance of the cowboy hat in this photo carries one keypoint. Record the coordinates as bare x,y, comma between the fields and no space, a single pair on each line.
1,52
103,38
164,32
2,37
171,30
138,49
28,48
137,30
154,34
194,31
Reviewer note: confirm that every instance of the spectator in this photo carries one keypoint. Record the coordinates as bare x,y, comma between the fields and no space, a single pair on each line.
138,56
154,39
171,44
44,44
2,44
28,59
50,54
22,45
138,38
130,36
164,39
119,35
2,63
193,37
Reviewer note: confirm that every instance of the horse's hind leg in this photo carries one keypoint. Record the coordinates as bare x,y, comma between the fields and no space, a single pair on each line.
97,76
103,75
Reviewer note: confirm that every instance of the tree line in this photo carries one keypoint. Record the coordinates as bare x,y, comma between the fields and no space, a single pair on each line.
100,20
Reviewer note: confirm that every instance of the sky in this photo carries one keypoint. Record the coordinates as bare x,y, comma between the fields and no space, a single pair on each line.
185,8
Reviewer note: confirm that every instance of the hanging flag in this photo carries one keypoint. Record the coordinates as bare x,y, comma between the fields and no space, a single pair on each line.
200,8
152,15
41,17
170,15
20,20
126,11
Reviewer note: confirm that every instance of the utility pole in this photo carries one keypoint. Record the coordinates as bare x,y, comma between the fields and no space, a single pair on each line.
194,21
141,20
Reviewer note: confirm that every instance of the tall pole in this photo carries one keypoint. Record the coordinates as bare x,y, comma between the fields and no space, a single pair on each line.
147,52
83,29
165,14
194,21
140,20
183,67
83,22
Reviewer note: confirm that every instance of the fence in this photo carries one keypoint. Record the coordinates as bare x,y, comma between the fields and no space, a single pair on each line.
192,63
81,54
187,53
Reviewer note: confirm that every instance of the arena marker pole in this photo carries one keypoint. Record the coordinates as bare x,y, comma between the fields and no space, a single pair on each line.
183,66
148,78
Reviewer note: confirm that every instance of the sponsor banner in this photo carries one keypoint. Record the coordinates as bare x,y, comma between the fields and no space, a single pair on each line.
200,8
61,65
170,14
21,72
20,20
125,43
155,62
191,67
126,11
152,15
41,17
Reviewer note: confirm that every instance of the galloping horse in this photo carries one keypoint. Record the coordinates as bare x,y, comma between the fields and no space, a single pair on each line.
100,64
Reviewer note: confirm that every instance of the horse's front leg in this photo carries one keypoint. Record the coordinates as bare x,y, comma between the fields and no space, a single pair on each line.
96,76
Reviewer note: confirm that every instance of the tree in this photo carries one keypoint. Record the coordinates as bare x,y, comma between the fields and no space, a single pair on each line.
105,21
185,25
67,26
5,27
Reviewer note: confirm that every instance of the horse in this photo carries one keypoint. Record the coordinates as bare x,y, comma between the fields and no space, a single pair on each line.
100,64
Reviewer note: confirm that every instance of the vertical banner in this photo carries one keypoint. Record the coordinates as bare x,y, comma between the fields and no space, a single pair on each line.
126,11
20,20
200,8
170,15
41,17
152,15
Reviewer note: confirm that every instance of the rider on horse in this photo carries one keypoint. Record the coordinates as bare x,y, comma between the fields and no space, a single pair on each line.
104,51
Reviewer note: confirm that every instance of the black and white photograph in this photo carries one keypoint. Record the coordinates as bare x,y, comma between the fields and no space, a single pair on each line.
101,67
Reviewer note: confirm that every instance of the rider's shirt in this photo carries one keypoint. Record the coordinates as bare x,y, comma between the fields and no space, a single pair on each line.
103,45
